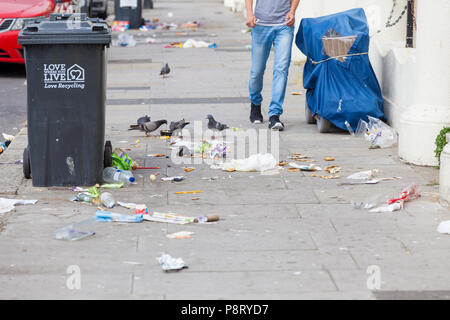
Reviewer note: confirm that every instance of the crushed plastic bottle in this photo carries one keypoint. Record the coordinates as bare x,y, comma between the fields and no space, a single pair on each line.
107,200
76,231
113,175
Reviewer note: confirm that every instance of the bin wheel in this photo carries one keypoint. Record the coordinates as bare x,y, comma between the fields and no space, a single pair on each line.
308,114
323,125
26,164
107,159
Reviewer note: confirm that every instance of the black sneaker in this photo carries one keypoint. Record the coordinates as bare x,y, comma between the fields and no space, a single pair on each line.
275,123
255,114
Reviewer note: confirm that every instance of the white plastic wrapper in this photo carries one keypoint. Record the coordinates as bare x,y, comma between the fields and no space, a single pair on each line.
171,264
7,205
363,175
256,162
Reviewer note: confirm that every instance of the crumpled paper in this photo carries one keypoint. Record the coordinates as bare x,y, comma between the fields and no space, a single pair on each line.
171,264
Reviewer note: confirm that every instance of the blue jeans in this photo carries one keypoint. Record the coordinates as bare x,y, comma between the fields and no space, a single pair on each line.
263,37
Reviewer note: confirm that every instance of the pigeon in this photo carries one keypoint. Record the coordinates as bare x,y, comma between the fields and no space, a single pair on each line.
140,122
152,126
165,70
214,125
179,125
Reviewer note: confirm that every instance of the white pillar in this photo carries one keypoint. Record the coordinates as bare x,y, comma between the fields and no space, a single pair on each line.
444,174
422,122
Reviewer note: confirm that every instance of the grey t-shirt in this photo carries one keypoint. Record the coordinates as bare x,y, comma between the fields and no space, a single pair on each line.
272,12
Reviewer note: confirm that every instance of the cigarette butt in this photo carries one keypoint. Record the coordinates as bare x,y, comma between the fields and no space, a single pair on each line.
212,217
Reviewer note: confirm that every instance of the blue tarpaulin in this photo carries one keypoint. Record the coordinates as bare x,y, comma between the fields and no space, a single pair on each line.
339,89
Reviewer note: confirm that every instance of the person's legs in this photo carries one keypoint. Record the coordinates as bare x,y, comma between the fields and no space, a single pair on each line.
262,39
282,45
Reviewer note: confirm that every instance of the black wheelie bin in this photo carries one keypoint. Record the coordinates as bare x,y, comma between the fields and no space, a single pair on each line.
129,10
65,60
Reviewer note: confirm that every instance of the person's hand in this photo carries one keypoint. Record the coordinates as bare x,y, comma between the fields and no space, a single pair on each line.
290,19
251,21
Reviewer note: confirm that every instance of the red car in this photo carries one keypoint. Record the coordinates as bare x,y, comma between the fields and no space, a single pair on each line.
13,15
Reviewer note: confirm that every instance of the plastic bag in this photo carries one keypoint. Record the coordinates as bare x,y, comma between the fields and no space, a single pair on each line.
378,133
363,175
126,40
76,231
191,43
256,162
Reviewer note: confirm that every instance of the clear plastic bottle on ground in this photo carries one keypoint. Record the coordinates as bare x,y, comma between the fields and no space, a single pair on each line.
76,231
107,200
113,175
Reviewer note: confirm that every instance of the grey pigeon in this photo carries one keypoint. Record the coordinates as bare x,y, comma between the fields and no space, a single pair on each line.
140,122
214,125
165,70
179,125
151,126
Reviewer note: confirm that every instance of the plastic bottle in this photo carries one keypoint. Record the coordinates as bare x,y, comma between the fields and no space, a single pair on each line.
113,175
107,200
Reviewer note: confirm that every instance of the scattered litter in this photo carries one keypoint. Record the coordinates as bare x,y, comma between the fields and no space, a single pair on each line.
295,93
171,264
389,208
326,177
379,134
333,169
257,162
208,218
189,169
141,209
174,45
371,181
187,192
79,189
192,43
113,175
125,40
122,161
176,179
127,205
364,205
112,185
107,200
310,167
444,227
7,205
169,218
120,26
105,216
153,177
363,175
76,231
8,137
328,159
180,235
408,194
156,155
191,25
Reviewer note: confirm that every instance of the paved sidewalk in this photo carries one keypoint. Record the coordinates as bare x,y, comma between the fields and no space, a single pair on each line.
284,236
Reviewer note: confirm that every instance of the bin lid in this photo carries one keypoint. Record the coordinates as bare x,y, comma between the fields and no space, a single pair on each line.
66,29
